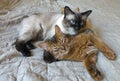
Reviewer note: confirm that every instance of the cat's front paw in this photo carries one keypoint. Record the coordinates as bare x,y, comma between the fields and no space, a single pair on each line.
30,46
48,57
111,56
26,53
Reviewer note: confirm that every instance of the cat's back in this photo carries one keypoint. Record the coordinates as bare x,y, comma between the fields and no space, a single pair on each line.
82,38
39,21
42,17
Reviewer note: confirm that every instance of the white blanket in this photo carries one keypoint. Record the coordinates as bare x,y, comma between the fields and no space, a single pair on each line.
15,67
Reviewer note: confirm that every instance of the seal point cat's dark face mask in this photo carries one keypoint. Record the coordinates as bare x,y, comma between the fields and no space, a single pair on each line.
75,20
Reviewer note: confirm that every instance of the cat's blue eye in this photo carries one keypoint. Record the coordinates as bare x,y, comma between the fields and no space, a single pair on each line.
72,22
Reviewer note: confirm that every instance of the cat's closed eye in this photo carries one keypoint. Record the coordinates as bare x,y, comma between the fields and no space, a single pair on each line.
64,40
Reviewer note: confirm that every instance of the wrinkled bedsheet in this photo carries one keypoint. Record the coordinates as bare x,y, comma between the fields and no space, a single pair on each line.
14,67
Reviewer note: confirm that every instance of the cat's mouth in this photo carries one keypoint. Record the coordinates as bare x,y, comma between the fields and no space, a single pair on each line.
75,30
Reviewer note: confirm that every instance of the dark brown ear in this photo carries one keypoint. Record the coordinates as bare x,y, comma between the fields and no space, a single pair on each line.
58,30
43,45
76,10
86,14
67,11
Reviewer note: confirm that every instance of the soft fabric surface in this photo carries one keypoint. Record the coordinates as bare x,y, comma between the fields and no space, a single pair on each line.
14,67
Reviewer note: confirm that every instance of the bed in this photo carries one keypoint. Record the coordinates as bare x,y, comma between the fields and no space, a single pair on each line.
14,67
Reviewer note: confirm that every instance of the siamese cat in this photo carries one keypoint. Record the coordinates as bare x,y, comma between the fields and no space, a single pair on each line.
42,26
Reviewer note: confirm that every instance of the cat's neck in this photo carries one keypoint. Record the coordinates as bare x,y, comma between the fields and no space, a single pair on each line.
64,29
60,24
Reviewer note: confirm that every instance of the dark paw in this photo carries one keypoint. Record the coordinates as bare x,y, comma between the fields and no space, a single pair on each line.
48,57
50,60
21,47
30,46
26,53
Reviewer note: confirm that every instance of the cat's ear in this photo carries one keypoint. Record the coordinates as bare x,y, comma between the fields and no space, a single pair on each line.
76,10
43,45
67,11
58,30
86,14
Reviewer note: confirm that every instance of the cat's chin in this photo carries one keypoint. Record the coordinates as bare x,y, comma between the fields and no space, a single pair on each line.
71,31
60,55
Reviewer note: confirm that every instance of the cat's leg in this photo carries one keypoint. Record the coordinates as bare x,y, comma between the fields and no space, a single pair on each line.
30,30
48,57
107,51
22,46
90,64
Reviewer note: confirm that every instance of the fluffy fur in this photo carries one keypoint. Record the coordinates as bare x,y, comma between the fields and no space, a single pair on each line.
42,26
82,47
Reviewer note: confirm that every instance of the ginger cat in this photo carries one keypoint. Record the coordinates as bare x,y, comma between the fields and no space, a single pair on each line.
82,47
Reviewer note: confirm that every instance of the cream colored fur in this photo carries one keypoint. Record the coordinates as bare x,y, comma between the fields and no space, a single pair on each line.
14,67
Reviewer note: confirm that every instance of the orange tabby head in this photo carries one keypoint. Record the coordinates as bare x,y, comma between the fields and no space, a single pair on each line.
58,45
